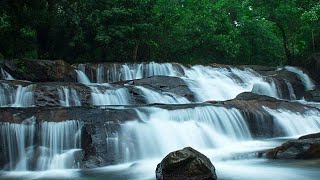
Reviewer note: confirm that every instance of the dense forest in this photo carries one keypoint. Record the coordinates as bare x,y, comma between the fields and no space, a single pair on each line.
265,32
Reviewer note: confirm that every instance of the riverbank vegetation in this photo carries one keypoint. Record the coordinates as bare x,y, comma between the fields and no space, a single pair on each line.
260,32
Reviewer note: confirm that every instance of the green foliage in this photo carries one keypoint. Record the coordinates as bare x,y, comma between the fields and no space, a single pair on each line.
188,31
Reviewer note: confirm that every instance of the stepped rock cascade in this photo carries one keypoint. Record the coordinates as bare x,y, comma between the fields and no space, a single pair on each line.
58,141
207,82
68,97
294,123
159,131
167,98
223,83
308,83
19,96
5,75
77,119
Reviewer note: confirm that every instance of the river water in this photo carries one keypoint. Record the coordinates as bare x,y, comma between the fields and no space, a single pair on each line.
138,146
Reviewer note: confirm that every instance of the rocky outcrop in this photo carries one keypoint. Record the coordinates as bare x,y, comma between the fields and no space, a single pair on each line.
48,93
313,67
40,70
164,84
306,147
185,164
281,77
312,95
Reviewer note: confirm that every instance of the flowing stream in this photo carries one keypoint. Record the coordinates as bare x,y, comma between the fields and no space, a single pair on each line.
44,150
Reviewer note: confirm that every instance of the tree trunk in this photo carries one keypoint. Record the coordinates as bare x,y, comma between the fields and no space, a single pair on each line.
285,44
135,52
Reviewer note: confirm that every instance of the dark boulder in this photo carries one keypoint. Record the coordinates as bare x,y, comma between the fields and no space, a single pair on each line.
309,136
313,66
40,70
312,95
185,164
165,84
306,147
253,96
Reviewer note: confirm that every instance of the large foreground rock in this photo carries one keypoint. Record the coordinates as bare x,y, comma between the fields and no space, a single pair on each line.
185,164
306,147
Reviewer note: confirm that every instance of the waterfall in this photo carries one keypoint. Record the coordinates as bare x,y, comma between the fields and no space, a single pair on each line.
109,96
18,139
106,73
82,77
206,82
291,90
160,131
100,74
6,95
166,98
209,83
305,79
265,88
23,96
68,97
58,142
295,123
57,139
5,75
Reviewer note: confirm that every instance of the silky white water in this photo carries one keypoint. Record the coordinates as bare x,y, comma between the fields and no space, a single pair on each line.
58,142
220,133
68,97
109,96
295,123
209,83
105,73
206,82
16,96
159,131
307,81
167,98
82,78
5,75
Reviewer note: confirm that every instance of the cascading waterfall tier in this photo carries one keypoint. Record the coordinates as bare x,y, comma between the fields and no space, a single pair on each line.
43,146
307,81
105,73
206,82
101,96
167,98
68,97
18,96
295,123
5,75
159,131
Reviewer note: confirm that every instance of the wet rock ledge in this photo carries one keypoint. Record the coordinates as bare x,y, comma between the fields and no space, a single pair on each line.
306,147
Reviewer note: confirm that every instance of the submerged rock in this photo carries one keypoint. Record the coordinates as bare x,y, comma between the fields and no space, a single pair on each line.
306,147
185,164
